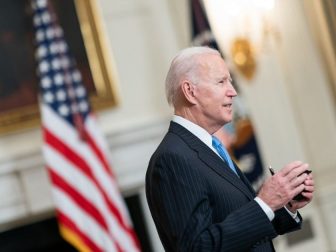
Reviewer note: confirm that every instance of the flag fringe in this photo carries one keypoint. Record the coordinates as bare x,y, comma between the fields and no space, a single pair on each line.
73,239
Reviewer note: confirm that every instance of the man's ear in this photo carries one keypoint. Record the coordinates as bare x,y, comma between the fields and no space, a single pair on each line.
188,90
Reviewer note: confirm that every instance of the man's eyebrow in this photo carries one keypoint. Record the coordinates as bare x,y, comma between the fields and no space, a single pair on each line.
225,78
228,78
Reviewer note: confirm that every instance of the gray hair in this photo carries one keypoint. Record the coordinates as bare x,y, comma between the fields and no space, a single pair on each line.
184,66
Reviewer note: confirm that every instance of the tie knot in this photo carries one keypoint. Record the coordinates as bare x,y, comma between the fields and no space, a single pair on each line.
216,143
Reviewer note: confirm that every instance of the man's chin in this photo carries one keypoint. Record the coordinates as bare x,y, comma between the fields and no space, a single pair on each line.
227,120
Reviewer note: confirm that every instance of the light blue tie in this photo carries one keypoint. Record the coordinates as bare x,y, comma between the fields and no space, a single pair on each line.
223,153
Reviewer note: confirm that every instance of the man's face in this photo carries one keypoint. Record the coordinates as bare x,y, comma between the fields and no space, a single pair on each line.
214,92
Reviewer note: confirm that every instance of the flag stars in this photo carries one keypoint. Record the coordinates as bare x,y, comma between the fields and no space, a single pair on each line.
50,33
80,91
61,95
53,48
71,93
67,78
65,62
58,32
62,47
61,83
46,82
40,35
56,64
41,3
46,18
74,108
58,79
44,66
57,47
48,97
64,110
83,106
76,76
41,52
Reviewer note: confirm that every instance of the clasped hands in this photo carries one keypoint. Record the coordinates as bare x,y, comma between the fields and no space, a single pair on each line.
280,189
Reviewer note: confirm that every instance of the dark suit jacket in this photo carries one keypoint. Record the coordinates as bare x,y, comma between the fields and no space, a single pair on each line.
199,204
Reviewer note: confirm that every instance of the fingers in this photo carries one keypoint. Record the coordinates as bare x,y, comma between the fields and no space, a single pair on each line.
309,182
294,173
309,189
308,195
298,180
289,167
298,189
306,188
299,204
297,171
310,176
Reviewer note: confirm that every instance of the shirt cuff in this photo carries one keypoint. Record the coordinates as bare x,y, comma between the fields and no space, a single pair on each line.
294,215
268,211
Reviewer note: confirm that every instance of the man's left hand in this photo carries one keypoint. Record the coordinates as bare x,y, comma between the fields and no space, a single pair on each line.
307,193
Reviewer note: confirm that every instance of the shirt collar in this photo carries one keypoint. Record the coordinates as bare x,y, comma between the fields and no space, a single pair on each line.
195,129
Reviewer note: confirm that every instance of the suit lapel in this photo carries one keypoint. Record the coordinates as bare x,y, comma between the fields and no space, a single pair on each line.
211,159
220,167
245,180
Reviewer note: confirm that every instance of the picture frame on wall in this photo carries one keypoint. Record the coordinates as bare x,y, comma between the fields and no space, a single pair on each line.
85,35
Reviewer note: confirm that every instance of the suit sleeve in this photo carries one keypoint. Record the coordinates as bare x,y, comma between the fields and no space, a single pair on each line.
179,200
284,223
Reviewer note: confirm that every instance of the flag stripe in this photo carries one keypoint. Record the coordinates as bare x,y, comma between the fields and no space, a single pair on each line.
99,155
82,202
111,186
82,242
69,137
88,227
84,185
104,162
78,198
77,161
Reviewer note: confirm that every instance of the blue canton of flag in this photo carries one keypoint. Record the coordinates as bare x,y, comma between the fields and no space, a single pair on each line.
61,82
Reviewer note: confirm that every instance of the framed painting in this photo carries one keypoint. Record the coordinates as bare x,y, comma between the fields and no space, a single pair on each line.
83,31
322,18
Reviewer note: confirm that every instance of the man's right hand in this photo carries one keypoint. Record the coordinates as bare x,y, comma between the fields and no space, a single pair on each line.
281,188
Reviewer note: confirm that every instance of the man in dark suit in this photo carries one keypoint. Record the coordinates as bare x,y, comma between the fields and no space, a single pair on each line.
199,199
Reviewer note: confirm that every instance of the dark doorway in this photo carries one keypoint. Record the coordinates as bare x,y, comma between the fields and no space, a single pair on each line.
43,236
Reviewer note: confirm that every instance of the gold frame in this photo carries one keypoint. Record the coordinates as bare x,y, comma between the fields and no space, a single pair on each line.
101,65
322,18
99,55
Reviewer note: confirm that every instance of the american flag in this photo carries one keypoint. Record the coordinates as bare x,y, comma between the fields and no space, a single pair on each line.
91,213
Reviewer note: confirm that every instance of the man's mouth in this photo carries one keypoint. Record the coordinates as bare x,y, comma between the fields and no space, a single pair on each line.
229,105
